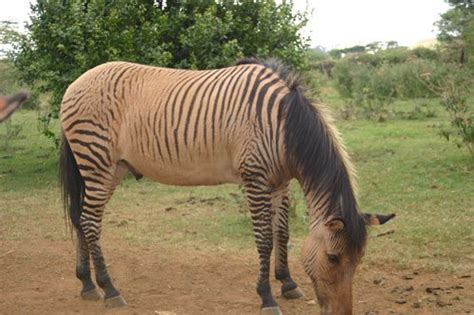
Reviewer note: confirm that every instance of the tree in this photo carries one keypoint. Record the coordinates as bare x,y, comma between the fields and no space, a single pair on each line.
456,32
374,46
456,28
339,53
355,49
66,38
392,44
9,77
8,36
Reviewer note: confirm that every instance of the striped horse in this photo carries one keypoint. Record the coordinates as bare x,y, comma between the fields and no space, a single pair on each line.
8,104
248,124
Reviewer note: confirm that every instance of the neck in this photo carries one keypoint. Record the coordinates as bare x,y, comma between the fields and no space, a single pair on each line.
318,205
324,200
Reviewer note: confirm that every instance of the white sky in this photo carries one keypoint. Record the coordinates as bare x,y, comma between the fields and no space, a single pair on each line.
345,23
337,23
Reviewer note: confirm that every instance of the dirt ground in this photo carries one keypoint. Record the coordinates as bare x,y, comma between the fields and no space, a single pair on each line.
37,277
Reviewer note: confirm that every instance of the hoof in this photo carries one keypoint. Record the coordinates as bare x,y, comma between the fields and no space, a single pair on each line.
274,310
296,293
116,301
92,295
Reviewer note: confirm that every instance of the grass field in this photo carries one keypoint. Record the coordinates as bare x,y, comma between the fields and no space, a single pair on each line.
403,166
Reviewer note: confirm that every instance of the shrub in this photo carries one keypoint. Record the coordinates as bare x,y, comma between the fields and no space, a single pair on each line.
12,131
421,109
375,106
320,61
389,80
425,53
350,77
66,38
456,98
394,56
407,77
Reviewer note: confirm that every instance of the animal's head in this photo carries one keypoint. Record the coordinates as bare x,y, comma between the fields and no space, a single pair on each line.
8,104
331,254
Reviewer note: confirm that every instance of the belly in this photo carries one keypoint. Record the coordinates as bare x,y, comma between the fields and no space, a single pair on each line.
198,171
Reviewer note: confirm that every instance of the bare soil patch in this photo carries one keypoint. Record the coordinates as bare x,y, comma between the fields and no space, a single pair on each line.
37,277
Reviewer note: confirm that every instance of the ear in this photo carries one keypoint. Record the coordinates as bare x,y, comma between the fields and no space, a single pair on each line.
377,219
335,224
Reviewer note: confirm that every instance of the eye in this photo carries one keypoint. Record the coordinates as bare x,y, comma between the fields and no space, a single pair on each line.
333,259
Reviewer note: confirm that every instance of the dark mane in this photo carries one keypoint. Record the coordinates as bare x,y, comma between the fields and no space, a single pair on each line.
314,149
285,73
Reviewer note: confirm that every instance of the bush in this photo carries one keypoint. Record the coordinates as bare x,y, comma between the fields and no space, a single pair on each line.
388,80
394,56
425,54
456,97
369,90
407,77
320,61
66,39
421,109
12,132
206,41
349,77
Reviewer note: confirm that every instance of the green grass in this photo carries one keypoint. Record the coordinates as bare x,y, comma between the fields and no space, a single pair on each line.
403,166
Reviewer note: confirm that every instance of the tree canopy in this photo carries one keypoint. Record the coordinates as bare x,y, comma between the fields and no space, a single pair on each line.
66,38
8,36
456,29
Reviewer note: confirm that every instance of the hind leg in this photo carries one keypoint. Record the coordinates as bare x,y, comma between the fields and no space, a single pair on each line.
83,269
112,296
98,191
280,204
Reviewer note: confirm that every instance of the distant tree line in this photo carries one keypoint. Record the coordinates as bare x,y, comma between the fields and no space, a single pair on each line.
369,48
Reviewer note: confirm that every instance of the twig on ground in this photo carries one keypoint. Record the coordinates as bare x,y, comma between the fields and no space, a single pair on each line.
385,233
7,253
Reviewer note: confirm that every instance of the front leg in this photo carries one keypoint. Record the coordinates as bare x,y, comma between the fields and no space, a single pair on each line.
280,205
258,195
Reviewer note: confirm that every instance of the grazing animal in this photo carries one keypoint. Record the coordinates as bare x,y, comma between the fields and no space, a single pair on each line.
248,124
8,104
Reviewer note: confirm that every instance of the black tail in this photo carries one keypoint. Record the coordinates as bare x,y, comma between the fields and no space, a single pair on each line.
72,184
